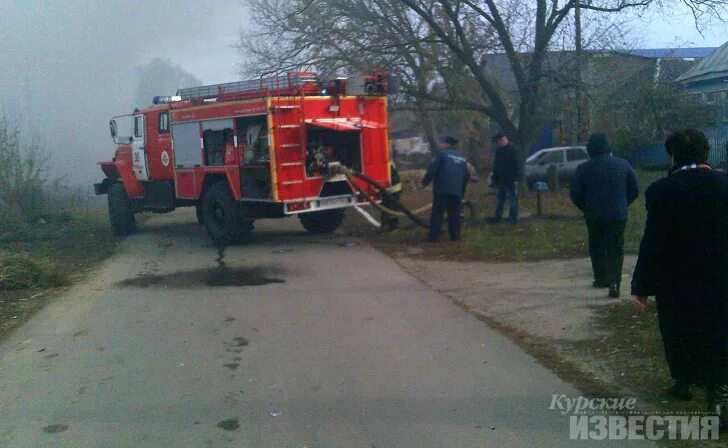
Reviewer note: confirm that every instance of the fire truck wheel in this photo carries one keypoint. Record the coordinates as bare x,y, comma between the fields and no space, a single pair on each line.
198,212
121,214
221,216
325,221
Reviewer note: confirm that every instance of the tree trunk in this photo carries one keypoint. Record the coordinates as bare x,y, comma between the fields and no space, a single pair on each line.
428,128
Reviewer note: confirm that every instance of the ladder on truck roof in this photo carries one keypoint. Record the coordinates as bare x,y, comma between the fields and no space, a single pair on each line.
276,84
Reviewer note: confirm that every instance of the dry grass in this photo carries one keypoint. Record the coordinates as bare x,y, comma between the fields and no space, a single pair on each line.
39,258
21,271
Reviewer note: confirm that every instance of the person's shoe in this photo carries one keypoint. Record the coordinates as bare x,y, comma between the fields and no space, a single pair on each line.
680,391
600,285
614,290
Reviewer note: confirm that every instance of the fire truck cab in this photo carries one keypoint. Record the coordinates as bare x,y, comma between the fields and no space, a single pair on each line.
249,150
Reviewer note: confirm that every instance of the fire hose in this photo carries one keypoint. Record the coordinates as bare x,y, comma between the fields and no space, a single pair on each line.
402,212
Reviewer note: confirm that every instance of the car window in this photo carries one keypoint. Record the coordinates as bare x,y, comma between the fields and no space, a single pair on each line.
553,157
534,159
574,154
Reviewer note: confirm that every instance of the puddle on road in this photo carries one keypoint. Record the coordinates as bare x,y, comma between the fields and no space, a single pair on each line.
222,275
53,429
240,341
235,277
230,424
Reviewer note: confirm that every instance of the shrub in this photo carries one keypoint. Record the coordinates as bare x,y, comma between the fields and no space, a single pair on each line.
24,193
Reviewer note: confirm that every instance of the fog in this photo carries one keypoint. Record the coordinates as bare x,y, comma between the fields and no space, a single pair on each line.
67,66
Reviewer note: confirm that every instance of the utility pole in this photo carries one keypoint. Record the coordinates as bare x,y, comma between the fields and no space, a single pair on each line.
578,70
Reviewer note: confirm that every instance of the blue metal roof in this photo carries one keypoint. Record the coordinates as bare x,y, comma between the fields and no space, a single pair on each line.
654,53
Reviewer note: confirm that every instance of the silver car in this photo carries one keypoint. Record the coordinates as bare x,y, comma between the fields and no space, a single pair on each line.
565,158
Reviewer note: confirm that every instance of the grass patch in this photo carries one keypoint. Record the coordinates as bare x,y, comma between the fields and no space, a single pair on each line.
559,233
631,355
40,258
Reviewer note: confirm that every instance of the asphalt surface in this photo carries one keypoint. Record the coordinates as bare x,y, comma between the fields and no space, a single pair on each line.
289,341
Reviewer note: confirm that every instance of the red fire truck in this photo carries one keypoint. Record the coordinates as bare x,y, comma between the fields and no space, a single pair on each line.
254,149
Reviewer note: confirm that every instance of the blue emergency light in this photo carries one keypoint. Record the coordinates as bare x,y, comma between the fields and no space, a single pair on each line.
164,99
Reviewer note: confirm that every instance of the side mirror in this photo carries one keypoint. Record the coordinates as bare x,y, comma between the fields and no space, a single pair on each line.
112,128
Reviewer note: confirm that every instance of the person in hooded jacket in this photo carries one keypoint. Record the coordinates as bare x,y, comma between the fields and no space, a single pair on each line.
683,262
603,188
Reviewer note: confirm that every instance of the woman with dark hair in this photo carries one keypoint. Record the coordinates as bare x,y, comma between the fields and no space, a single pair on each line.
683,262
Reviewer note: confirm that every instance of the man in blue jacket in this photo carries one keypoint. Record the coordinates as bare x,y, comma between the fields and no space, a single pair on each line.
449,174
603,188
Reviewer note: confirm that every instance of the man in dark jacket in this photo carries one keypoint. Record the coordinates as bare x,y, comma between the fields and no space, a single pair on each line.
506,175
449,174
683,262
603,188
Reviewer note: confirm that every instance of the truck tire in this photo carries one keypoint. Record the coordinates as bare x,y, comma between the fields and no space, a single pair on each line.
121,214
325,221
198,212
222,217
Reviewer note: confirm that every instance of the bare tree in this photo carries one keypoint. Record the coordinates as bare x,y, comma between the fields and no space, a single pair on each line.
443,43
340,35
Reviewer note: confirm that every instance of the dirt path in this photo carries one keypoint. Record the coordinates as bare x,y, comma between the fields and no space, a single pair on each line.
551,299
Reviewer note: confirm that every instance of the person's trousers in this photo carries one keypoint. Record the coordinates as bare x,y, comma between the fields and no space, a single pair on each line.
453,205
511,194
391,201
606,249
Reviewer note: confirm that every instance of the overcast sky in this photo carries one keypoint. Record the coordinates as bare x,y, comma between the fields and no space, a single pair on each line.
67,66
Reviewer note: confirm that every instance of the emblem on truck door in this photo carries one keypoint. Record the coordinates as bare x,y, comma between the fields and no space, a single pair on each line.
165,158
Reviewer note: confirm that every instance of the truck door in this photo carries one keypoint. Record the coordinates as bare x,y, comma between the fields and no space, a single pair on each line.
139,157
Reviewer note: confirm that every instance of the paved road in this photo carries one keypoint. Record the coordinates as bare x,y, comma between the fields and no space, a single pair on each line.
328,344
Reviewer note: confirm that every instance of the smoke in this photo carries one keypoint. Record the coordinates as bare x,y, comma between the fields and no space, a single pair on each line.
161,77
67,67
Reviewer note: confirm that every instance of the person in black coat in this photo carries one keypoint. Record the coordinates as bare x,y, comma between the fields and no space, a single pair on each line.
683,262
603,188
505,178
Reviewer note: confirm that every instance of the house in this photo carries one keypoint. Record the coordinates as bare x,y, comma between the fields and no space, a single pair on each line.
671,63
606,74
709,79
